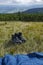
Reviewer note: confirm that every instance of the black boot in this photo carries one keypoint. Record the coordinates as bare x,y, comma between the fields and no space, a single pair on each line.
21,38
15,39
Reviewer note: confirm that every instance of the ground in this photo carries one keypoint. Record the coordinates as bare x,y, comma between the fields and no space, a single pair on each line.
32,31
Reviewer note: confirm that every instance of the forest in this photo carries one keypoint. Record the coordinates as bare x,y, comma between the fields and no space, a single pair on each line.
21,17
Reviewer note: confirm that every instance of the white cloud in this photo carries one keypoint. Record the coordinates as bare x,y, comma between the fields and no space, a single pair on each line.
39,0
24,2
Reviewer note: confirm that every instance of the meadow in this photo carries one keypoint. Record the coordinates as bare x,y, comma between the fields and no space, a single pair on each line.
32,31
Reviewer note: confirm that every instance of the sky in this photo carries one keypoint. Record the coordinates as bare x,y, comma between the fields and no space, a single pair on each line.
20,2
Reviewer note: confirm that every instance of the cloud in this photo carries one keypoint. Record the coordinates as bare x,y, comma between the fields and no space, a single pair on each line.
20,2
39,0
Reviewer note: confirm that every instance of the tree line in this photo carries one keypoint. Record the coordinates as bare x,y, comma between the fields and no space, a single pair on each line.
21,17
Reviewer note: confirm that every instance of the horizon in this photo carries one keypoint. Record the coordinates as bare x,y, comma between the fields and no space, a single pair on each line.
10,6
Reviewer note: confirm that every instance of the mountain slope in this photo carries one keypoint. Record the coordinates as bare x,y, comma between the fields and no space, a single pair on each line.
34,10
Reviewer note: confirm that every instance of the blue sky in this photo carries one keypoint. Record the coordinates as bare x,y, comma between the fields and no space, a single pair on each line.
20,2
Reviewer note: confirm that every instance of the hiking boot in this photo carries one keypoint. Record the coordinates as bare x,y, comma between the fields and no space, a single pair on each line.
17,40
21,38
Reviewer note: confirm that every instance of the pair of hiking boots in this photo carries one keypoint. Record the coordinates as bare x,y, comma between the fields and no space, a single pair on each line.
18,38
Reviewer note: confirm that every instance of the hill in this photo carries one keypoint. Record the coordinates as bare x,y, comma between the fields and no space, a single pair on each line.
34,10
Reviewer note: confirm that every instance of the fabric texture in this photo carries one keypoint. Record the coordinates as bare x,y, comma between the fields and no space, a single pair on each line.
22,59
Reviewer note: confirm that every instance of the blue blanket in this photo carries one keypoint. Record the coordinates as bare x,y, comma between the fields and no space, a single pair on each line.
22,59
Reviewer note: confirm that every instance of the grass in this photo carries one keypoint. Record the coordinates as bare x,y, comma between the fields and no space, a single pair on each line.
32,31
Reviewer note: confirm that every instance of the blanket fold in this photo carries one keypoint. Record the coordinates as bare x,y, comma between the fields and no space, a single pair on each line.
23,59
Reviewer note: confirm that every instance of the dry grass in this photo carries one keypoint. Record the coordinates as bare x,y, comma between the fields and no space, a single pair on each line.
32,31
